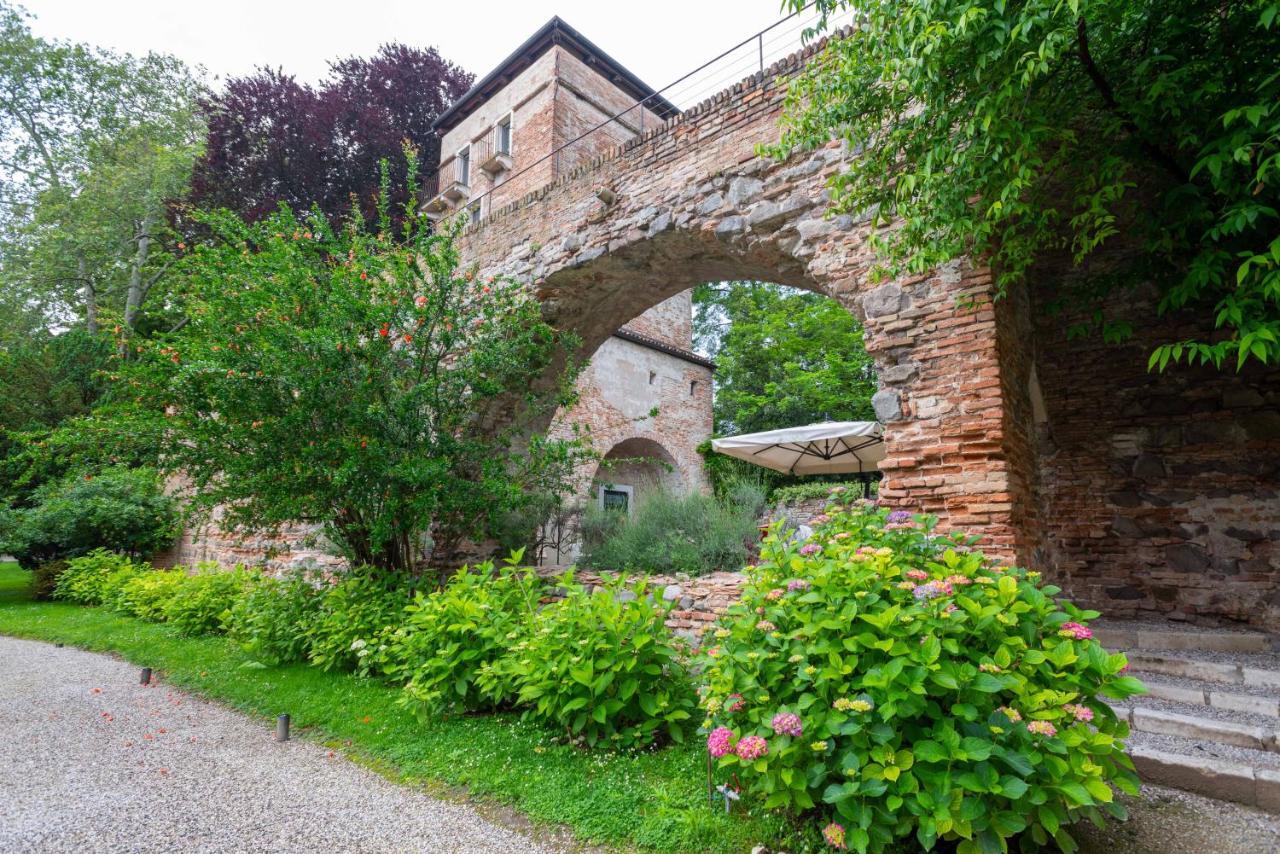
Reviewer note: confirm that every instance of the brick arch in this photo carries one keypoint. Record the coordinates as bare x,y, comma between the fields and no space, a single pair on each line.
691,201
668,472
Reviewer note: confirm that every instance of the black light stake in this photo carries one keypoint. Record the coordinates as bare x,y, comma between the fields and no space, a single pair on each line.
146,676
282,728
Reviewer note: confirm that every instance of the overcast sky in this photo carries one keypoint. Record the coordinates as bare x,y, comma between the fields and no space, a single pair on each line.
658,40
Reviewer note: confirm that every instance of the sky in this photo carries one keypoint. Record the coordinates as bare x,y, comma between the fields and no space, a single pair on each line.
658,40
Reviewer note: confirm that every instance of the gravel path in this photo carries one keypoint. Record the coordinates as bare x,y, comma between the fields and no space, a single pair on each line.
92,761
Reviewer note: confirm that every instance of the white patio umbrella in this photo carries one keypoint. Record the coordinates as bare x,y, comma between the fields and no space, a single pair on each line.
833,447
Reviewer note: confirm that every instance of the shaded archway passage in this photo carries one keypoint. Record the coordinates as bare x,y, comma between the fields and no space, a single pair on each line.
691,202
636,468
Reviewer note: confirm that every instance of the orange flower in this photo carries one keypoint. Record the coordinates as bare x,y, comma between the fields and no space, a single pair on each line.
408,339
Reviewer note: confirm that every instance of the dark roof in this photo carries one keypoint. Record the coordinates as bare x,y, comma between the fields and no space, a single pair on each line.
663,347
554,32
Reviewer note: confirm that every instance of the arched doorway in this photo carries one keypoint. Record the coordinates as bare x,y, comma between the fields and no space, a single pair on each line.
632,470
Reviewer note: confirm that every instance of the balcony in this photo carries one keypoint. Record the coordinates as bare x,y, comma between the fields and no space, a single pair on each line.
493,153
454,184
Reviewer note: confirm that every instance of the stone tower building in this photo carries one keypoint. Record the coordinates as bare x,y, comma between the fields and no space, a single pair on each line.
559,101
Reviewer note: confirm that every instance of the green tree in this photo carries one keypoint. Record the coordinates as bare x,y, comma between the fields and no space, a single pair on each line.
93,146
353,378
784,357
1010,130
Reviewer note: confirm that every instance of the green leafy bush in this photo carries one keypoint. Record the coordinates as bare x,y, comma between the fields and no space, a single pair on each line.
119,509
44,580
146,594
199,604
271,621
452,637
603,666
817,489
914,688
669,533
95,577
355,618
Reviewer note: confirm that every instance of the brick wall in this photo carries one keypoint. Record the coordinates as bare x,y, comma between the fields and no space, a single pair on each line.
1158,492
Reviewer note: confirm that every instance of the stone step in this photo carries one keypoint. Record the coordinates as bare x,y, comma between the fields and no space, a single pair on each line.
1193,692
1115,634
1241,731
1244,776
1253,671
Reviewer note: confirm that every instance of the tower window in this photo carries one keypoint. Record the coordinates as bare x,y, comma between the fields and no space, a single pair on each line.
693,388
464,167
502,136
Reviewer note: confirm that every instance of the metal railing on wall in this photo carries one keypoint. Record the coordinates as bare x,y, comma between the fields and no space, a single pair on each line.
750,56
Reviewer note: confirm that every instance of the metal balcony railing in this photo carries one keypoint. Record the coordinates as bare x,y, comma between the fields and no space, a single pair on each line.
493,152
455,180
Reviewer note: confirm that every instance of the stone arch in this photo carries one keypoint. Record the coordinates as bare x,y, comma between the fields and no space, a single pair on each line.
692,202
642,465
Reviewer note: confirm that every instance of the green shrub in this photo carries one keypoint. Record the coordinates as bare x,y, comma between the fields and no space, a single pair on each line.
199,604
603,666
669,533
913,688
271,621
119,509
817,489
452,637
355,618
93,578
147,594
45,578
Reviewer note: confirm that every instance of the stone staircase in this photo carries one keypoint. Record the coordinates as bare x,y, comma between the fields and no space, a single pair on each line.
1210,722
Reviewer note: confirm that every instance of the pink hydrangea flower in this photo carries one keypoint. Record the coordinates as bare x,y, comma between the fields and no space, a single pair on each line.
766,626
834,835
1075,630
1042,728
751,747
775,594
787,723
959,579
735,703
916,574
797,584
810,549
1080,713
720,742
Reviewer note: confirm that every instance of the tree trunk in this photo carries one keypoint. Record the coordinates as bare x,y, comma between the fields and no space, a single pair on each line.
137,291
90,293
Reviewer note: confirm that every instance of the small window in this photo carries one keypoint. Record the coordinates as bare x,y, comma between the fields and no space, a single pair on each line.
616,497
502,136
653,377
473,212
693,388
464,167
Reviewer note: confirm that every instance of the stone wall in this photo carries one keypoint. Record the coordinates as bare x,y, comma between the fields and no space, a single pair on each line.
1157,492
291,548
698,601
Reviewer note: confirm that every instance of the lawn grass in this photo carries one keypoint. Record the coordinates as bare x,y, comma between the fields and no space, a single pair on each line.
653,800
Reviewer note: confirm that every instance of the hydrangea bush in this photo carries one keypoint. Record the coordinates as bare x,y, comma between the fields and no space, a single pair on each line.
354,618
91,578
602,666
907,686
452,636
202,602
270,622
